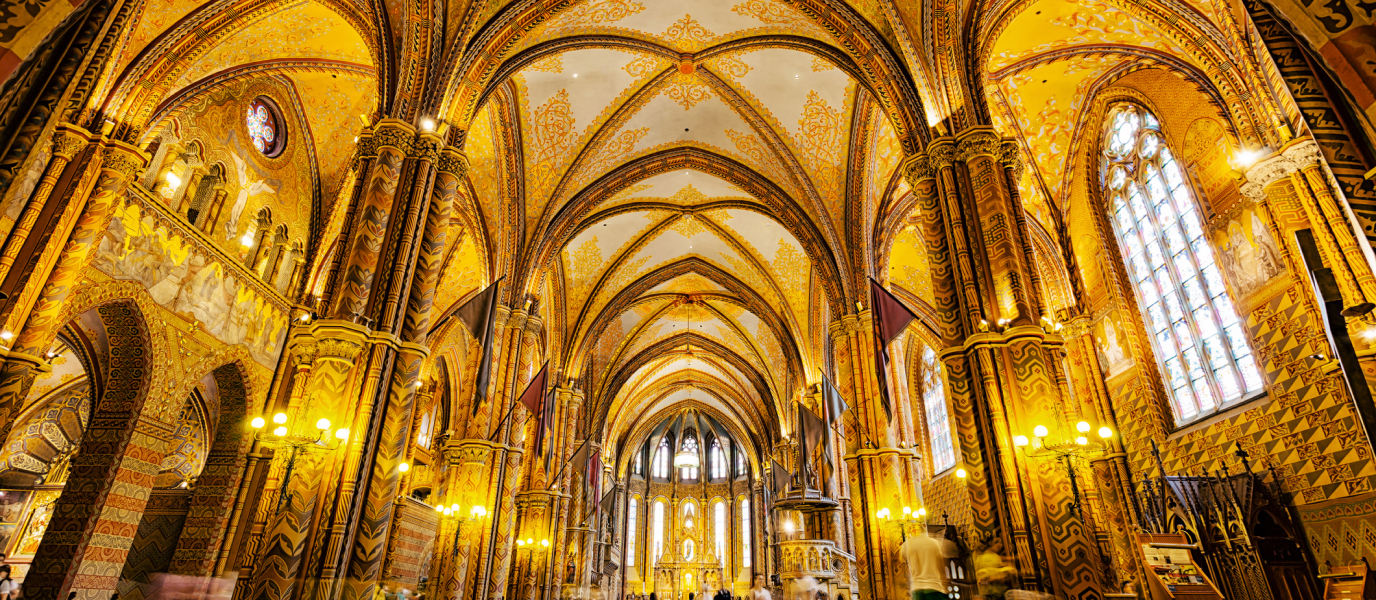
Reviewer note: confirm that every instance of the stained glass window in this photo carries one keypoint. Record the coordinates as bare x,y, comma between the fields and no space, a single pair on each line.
630,534
718,461
740,461
745,531
660,467
1194,329
264,128
719,524
658,531
690,444
934,404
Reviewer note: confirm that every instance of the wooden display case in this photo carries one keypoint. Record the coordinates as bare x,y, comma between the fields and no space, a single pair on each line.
1173,571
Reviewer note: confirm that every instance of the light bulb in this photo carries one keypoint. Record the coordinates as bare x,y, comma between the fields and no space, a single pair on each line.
322,424
427,124
529,541
961,474
173,180
247,240
1082,440
520,542
280,431
921,512
7,336
1082,427
1040,431
258,422
439,508
1019,441
454,507
477,511
448,512
342,434
404,467
545,542
907,511
1105,432
279,418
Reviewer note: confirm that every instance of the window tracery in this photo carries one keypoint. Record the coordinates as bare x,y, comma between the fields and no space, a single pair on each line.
1198,340
264,127
934,405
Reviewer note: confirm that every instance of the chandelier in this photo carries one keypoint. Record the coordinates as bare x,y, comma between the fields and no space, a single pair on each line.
685,459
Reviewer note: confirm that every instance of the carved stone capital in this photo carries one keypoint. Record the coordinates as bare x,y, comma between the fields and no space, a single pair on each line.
338,350
918,167
66,143
942,153
474,454
1253,192
303,355
1270,170
1010,156
393,134
427,146
978,142
1304,153
124,162
453,162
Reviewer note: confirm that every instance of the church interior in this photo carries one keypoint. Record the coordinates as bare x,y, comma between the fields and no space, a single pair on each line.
630,299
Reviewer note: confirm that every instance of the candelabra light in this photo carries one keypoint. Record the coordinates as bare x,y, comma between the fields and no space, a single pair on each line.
1084,443
454,512
280,436
908,518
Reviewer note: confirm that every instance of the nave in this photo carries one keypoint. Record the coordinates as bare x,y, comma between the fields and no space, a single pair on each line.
669,300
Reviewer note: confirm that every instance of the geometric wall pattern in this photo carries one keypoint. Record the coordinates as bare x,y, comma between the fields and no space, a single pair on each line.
155,541
412,542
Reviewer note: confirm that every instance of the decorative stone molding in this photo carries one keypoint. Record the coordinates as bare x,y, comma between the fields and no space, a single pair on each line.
1304,153
338,350
1010,156
303,355
1253,192
916,168
67,142
427,146
1270,170
473,454
126,162
942,153
453,162
978,142
394,134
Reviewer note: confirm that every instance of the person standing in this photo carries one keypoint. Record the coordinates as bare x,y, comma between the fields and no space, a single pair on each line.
926,558
758,591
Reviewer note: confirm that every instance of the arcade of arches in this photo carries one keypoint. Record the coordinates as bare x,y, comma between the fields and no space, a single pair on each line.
276,276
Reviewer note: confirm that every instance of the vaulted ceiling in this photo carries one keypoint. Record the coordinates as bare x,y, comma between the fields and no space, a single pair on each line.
691,189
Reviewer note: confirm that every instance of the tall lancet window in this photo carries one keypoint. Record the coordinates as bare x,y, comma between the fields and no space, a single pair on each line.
690,445
657,533
718,459
630,533
660,467
934,405
744,503
719,530
1194,329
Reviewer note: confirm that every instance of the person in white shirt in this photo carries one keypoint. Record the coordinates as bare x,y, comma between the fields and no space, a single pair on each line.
7,586
759,592
926,559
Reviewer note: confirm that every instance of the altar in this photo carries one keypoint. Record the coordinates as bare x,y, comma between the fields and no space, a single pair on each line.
690,566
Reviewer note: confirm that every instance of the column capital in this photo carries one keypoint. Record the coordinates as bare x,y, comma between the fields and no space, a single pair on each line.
1303,153
1011,156
1270,170
917,168
123,160
847,324
69,139
942,152
980,141
426,146
453,162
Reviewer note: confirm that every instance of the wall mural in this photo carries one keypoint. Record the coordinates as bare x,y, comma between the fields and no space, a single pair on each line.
1248,252
191,280
1110,339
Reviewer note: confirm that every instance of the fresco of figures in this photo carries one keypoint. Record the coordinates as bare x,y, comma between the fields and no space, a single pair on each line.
190,280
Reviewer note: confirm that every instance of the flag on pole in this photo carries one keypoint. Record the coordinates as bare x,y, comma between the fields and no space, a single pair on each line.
778,478
813,437
536,400
478,316
890,319
833,405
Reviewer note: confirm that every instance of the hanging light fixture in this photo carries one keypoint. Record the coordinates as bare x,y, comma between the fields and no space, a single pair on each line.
685,460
